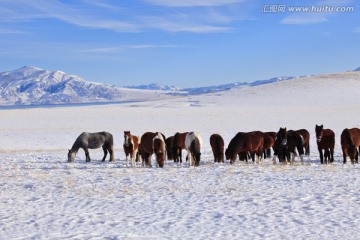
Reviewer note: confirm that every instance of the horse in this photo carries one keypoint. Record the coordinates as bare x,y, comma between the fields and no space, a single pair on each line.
179,144
285,144
193,145
325,139
252,142
269,141
217,146
88,141
131,146
242,155
306,140
169,147
350,141
153,143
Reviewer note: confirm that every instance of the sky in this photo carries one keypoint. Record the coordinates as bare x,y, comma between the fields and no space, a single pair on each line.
185,43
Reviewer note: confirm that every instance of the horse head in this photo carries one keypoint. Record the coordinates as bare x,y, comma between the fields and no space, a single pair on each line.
127,138
319,130
281,137
159,148
71,155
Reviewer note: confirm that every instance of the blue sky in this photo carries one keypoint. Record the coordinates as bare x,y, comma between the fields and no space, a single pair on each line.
185,43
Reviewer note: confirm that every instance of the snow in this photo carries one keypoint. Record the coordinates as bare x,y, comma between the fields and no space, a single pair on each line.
43,196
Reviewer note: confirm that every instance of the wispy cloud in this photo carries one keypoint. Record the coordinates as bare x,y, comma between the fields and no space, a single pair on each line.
314,13
304,19
357,30
10,31
192,3
199,19
127,47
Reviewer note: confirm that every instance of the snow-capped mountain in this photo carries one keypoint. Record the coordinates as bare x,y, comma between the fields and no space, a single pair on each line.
155,86
356,70
30,85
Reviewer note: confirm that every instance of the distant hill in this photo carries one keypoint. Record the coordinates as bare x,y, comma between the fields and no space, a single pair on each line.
209,89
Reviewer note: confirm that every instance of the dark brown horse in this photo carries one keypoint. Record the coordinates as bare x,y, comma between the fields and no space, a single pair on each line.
169,147
252,142
325,139
285,144
350,141
269,141
193,144
131,146
217,146
306,140
153,143
178,146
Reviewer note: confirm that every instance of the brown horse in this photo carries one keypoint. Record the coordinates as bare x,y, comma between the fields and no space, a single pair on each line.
285,144
169,147
193,144
217,146
269,141
306,139
325,139
153,143
350,141
131,146
252,142
178,146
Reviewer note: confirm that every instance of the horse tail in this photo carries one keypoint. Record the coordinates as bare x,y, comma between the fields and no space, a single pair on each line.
347,136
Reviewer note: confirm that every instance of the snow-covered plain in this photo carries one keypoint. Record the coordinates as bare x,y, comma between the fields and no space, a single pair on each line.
44,197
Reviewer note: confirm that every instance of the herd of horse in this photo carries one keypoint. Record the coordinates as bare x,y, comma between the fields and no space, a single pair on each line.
256,145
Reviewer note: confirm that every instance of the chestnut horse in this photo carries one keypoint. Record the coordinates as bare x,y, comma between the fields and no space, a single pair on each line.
325,139
178,146
350,141
306,140
285,144
169,147
252,142
269,141
131,146
217,146
153,143
193,144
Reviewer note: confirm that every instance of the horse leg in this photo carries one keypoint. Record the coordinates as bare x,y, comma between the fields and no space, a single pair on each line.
321,155
332,154
111,151
127,158
105,153
344,157
87,155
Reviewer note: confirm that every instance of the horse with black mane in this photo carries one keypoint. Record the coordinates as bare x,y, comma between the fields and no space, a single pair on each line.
325,139
178,146
217,147
306,139
269,141
169,147
153,142
252,142
88,141
131,146
193,145
350,141
285,144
